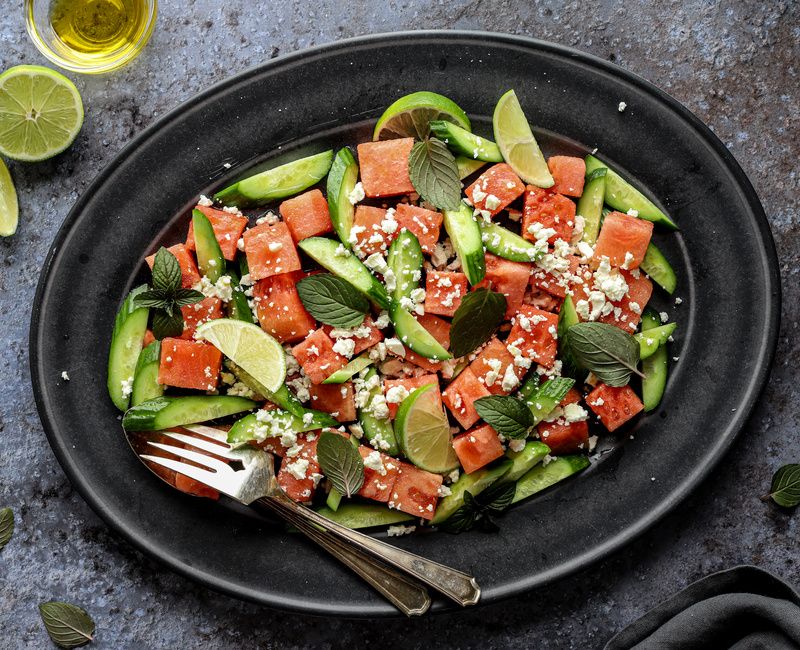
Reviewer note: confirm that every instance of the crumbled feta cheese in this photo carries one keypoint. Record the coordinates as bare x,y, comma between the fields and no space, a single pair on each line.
575,413
610,281
356,194
345,347
298,468
205,201
664,316
395,346
377,263
275,246
341,251
510,379
444,491
516,445
621,107
64,375
399,531
491,202
127,387
633,213
678,300
221,289
374,461
396,394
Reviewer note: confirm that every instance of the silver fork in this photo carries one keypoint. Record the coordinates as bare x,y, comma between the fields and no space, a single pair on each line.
256,483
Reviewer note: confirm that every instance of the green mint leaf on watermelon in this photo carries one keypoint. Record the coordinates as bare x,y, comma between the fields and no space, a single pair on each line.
166,272
6,526
478,316
600,172
332,300
434,173
69,626
605,350
167,297
785,488
477,510
166,325
153,299
507,415
340,463
184,297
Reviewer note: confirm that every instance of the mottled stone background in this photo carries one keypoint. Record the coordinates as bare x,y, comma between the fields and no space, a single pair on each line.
735,64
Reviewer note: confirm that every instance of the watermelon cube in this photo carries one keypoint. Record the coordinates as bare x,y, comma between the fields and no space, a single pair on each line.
569,174
556,282
444,291
189,273
189,364
336,399
279,310
415,491
227,226
491,367
396,390
628,311
495,189
477,447
384,167
300,473
535,333
307,215
364,336
270,250
614,405
380,473
438,328
368,235
198,313
623,240
460,396
317,357
546,209
564,436
509,278
425,224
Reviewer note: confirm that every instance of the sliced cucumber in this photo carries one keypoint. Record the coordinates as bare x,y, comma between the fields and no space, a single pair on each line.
567,317
465,235
323,251
652,338
461,141
374,428
341,181
364,515
543,476
245,429
548,396
145,377
237,306
659,269
405,260
278,182
210,260
530,387
522,461
467,166
474,483
590,205
334,499
508,245
130,326
165,412
655,367
350,370
623,196
415,336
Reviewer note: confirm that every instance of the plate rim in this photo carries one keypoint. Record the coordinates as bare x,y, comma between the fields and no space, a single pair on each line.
756,385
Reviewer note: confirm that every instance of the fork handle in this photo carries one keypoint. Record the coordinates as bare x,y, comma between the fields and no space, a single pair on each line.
456,585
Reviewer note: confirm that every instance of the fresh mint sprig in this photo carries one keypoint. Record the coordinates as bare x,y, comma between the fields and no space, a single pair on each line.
478,510
434,173
507,415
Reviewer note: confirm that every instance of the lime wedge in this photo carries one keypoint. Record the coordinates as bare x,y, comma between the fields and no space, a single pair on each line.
40,113
249,347
410,116
9,211
423,432
519,148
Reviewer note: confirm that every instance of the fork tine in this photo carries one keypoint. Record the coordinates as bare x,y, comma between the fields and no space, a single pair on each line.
195,457
209,432
201,475
205,445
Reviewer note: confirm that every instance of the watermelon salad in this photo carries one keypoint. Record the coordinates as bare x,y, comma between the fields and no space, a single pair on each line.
470,316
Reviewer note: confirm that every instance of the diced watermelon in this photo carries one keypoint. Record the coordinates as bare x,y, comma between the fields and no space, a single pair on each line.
444,291
300,473
491,365
180,481
640,288
549,209
384,167
425,224
189,364
460,396
509,278
370,236
500,182
317,356
336,399
614,405
439,328
189,273
148,338
477,447
195,488
307,215
556,282
227,227
366,335
378,484
569,174
279,309
198,313
410,384
623,240
418,360
270,250
565,437
534,332
415,491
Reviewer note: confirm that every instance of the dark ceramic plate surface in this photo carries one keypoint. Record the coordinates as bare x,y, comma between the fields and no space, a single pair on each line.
330,96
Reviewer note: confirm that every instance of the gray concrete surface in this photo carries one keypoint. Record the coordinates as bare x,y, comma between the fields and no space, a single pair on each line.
735,64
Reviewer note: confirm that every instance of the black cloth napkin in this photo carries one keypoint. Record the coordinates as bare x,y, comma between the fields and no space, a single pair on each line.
744,608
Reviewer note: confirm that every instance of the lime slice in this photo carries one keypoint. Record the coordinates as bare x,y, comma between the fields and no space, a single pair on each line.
9,211
40,113
410,116
249,347
519,148
423,432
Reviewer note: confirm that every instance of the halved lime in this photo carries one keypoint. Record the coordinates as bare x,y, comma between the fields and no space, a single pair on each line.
519,148
423,432
410,116
9,210
40,113
249,347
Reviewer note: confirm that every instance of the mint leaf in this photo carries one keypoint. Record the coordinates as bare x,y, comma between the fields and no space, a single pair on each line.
480,313
497,497
332,300
69,626
340,463
597,173
166,325
152,298
166,272
6,526
605,350
184,297
507,415
434,173
478,510
785,488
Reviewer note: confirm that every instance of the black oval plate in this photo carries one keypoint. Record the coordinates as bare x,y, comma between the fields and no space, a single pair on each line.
327,96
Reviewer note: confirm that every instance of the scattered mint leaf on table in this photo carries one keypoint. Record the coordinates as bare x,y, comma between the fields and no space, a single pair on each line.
69,626
6,526
785,488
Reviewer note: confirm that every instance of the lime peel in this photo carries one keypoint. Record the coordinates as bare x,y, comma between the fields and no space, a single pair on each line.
410,116
423,431
9,208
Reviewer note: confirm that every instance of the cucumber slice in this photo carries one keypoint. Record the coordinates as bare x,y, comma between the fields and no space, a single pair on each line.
655,367
543,476
522,461
461,141
567,317
130,326
465,235
652,338
548,396
474,483
165,412
590,205
238,307
375,429
405,260
415,336
623,196
363,515
278,182
350,370
323,251
530,387
244,429
210,260
659,269
145,377
508,245
467,166
341,181
334,499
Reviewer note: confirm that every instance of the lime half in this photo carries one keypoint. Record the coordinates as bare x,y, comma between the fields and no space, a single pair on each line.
40,113
519,148
410,116
423,432
249,347
9,211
